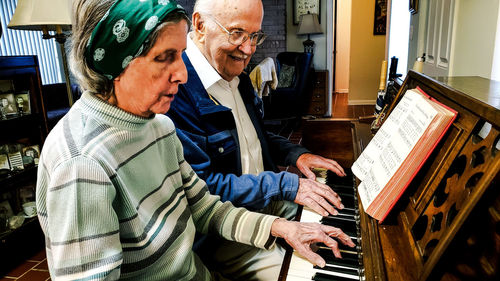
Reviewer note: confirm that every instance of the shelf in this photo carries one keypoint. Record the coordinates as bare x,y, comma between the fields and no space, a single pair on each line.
21,131
14,177
6,234
19,244
15,120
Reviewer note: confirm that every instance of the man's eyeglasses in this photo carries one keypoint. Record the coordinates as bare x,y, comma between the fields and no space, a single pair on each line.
238,37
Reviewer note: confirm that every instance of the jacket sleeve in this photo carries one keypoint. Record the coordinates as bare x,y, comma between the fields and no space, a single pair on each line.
251,191
284,152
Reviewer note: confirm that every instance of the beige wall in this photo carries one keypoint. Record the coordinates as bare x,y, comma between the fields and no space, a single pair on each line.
366,54
343,46
474,37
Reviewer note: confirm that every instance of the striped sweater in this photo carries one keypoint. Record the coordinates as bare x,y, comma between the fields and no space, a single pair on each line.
117,200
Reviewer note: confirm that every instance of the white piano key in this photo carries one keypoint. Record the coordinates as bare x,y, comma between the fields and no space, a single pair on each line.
302,268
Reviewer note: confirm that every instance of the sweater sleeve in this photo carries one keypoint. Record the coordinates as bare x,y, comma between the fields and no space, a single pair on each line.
210,215
75,210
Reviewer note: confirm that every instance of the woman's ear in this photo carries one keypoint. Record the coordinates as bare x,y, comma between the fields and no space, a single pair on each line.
199,27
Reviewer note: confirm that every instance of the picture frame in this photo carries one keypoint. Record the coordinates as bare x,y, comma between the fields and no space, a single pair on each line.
380,18
7,104
31,154
6,209
23,102
6,86
301,7
413,6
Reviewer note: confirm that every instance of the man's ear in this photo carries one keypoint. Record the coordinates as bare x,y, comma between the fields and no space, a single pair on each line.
199,27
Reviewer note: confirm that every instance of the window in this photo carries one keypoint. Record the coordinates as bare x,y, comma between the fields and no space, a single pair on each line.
21,42
399,34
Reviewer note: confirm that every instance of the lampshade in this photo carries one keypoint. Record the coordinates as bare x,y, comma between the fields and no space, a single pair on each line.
309,24
42,14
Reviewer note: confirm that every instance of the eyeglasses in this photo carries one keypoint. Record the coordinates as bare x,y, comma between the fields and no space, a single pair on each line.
238,37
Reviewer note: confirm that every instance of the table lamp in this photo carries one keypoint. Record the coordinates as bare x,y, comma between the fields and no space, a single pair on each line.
309,24
46,15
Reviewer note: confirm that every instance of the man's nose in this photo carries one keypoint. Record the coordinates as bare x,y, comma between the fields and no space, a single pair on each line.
246,47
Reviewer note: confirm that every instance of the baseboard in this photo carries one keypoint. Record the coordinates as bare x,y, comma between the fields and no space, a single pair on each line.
361,102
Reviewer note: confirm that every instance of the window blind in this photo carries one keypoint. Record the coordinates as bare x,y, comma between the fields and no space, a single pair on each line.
23,42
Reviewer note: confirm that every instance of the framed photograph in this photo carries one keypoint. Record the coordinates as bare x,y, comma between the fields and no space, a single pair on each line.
6,209
23,102
4,162
31,154
6,86
16,161
413,6
380,19
301,7
7,104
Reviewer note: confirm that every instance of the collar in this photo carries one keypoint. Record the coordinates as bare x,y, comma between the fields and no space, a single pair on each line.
208,75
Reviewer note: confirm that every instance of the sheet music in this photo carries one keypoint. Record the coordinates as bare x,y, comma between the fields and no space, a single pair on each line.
392,144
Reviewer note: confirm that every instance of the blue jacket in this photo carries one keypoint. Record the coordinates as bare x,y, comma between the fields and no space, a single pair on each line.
208,134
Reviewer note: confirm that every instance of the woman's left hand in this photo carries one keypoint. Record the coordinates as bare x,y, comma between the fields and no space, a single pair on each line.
300,235
307,161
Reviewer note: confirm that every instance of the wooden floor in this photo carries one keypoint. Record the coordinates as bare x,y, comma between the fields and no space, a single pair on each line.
341,109
35,268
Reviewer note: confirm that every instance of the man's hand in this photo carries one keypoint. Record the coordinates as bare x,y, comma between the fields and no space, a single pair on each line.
301,235
318,197
307,161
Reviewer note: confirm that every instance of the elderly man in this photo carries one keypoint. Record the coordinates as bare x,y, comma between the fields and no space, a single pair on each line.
219,122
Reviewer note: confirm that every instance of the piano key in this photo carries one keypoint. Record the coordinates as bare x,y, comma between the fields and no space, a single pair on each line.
347,268
300,267
348,261
324,277
333,268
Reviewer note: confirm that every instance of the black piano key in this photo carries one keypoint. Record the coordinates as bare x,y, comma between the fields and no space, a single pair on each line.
347,260
347,212
347,200
342,216
346,182
318,276
341,247
347,226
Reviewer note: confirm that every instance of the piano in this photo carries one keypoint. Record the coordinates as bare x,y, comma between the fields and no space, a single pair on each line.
446,226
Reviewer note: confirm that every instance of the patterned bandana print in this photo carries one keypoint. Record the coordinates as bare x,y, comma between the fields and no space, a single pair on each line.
122,32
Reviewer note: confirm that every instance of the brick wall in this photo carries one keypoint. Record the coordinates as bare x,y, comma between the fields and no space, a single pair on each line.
274,25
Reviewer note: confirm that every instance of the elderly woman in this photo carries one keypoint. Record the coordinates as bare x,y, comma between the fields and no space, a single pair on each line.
115,197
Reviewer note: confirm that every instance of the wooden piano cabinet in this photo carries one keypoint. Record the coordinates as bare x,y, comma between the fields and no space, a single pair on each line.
330,138
446,225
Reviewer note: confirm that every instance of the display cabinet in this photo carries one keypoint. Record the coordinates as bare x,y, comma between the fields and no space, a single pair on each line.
23,128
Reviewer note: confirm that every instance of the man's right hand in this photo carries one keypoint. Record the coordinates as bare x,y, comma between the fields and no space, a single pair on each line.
319,197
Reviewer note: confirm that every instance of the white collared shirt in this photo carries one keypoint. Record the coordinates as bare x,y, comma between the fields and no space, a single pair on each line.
228,95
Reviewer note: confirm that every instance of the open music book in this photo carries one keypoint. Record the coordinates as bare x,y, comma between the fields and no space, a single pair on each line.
398,150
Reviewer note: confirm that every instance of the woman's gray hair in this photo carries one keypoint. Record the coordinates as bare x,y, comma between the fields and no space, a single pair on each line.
86,16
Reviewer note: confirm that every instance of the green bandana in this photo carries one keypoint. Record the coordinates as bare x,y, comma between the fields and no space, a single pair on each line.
120,35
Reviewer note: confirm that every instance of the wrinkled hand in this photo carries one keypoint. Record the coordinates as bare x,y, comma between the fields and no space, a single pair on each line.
301,235
307,161
318,197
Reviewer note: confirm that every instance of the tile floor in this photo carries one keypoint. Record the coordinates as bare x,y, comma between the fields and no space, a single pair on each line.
33,269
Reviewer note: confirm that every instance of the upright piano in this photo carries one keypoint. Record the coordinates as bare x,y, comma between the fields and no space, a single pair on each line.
446,226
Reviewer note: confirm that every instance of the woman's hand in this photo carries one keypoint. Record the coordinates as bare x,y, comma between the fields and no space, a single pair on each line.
301,235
